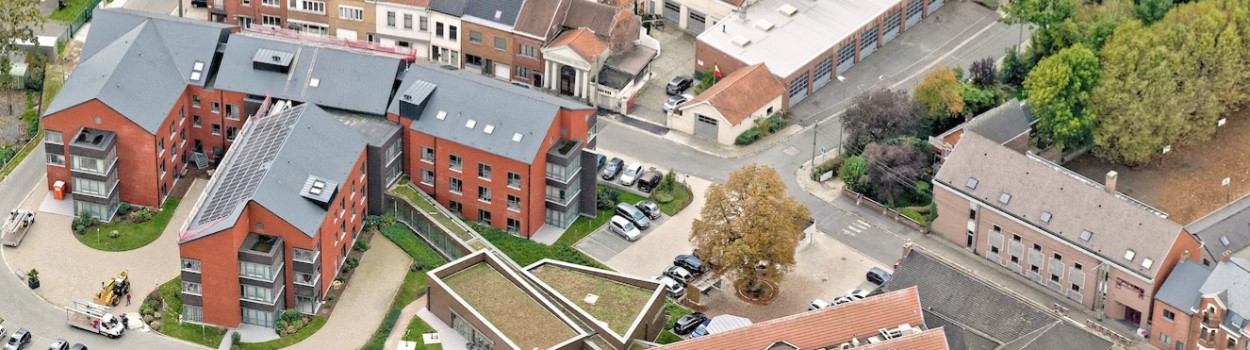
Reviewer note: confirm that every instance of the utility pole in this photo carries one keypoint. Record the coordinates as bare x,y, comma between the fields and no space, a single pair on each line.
180,7
815,130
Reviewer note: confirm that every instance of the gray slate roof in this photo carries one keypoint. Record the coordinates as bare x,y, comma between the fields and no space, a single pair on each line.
375,130
487,9
1231,280
269,165
1118,222
1003,123
1181,288
465,96
972,310
347,79
449,7
1230,223
139,65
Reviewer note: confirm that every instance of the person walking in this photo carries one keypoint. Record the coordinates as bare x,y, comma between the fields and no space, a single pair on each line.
125,322
127,298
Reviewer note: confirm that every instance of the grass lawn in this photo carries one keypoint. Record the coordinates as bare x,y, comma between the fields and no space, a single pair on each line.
526,252
71,10
674,312
308,330
133,236
416,328
681,199
431,209
414,282
618,305
171,292
517,315
583,226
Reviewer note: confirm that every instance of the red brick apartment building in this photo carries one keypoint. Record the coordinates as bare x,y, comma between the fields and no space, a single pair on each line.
127,107
1078,238
276,222
521,161
1203,308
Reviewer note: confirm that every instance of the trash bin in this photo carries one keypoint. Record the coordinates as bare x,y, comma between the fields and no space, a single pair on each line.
58,190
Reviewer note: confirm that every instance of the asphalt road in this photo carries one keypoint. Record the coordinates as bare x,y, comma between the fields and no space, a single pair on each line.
19,306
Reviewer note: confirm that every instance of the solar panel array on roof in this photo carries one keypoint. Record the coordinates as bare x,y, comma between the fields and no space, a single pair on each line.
247,167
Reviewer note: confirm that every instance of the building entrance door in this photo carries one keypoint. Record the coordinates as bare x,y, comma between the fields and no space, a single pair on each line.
568,77
1132,315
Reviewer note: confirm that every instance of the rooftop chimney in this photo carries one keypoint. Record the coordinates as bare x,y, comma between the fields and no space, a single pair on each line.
1112,176
1225,255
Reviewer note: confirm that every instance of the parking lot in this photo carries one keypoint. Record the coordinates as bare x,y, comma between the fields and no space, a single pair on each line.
676,58
604,244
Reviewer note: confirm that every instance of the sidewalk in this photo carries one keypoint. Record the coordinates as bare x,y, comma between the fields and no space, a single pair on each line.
715,149
964,260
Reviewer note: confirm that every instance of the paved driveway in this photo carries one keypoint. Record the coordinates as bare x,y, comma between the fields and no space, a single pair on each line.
365,301
603,244
676,58
654,252
72,271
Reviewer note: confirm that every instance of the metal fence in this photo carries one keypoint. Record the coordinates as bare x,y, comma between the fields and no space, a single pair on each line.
81,19
438,238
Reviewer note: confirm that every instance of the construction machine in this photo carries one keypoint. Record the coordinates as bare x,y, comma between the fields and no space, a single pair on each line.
113,290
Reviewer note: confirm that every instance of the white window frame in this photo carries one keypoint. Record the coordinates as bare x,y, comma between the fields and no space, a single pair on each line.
56,159
271,3
352,13
53,137
267,19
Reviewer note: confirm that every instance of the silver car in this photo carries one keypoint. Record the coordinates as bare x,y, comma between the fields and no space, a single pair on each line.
673,102
624,228
675,289
630,176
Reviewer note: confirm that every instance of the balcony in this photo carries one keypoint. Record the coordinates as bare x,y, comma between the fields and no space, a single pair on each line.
562,197
307,279
305,256
261,298
564,161
93,140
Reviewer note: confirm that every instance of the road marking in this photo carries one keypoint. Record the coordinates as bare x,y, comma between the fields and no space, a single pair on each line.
848,233
862,223
856,229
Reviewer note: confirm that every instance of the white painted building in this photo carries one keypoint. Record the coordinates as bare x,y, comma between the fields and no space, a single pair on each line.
446,32
404,23
694,15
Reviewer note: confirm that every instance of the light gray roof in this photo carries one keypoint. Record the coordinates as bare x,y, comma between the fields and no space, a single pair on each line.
375,130
1228,224
498,11
795,40
976,312
345,79
1181,288
270,163
1230,280
463,97
1003,123
140,65
1118,223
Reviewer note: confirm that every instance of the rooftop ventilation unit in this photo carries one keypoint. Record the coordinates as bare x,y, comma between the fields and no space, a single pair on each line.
272,60
741,41
412,102
764,25
788,10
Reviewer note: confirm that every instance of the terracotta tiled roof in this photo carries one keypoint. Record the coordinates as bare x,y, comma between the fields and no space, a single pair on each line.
736,3
417,3
538,17
741,93
931,339
582,41
815,329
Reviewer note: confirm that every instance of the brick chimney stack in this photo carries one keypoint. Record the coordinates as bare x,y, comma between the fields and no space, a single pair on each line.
1112,178
1225,255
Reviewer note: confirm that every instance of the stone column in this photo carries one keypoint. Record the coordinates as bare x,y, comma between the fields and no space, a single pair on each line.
547,74
577,84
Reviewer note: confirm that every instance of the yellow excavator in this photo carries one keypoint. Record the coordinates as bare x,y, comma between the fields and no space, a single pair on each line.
113,290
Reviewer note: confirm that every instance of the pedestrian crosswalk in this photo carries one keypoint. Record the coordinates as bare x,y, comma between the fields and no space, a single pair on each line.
855,228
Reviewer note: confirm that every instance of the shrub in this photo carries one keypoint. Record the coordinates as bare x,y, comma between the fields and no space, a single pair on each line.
914,215
605,198
852,173
83,223
141,215
361,245
123,208
831,164
373,222
115,234
663,198
155,325
748,137
236,338
329,296
147,319
352,262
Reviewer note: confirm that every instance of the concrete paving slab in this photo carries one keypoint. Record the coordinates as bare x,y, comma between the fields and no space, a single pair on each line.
51,205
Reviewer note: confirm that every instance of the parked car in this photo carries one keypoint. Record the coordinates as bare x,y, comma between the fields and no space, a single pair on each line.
612,168
649,180
600,160
624,228
857,294
678,85
690,263
59,344
675,289
878,276
841,300
650,208
630,175
817,305
19,340
522,85
634,215
3,332
78,346
673,102
679,274
688,323
701,330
